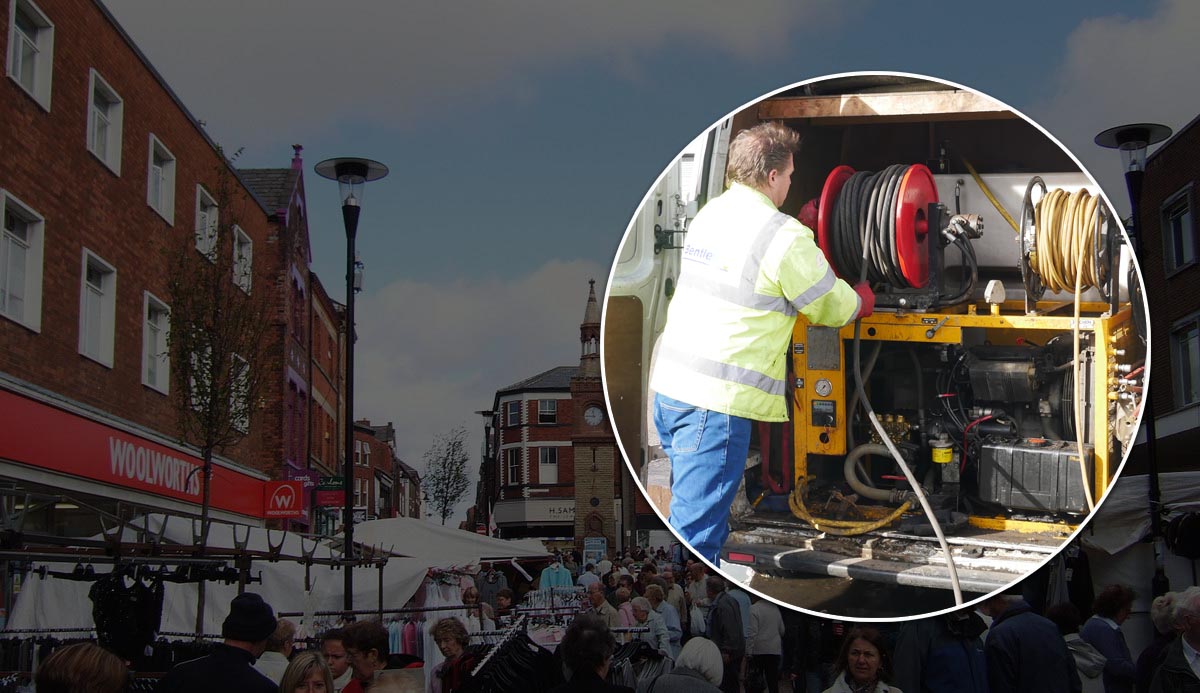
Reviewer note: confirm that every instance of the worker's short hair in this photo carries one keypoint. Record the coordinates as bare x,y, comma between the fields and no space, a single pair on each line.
755,152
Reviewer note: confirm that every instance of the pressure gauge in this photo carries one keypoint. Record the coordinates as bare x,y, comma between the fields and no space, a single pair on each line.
824,387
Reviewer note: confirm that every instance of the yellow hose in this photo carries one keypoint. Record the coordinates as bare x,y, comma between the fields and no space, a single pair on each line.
987,191
841,528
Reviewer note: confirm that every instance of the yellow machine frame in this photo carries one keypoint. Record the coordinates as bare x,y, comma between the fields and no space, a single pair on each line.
1003,324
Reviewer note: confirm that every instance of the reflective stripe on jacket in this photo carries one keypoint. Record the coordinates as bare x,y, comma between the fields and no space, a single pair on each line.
748,269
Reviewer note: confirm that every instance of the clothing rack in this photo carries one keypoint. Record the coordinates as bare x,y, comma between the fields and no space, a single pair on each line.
363,612
45,631
516,628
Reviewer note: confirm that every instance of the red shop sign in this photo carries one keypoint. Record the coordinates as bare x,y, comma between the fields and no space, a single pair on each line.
58,440
283,499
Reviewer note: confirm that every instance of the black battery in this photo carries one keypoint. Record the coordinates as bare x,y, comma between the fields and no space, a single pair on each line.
1035,474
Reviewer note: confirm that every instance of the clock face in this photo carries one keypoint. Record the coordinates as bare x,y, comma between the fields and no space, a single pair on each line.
593,415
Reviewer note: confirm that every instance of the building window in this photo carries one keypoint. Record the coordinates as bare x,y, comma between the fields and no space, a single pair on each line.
105,114
547,411
31,50
21,263
160,185
513,413
243,255
366,454
1179,232
1185,357
156,364
548,465
513,456
239,394
97,309
206,223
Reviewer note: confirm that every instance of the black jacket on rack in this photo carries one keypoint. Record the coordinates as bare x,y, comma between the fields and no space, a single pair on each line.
127,615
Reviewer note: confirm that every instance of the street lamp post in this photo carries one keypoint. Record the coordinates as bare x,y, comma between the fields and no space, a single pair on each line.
1132,140
350,173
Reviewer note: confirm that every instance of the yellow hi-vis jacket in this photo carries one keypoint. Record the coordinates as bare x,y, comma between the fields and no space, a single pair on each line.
747,270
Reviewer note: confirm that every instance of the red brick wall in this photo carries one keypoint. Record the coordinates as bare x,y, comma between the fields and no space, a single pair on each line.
48,166
1170,298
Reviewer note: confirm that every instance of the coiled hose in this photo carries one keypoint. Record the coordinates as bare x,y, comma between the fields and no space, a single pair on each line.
841,528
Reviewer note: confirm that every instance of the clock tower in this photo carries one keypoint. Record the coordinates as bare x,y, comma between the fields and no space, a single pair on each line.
598,465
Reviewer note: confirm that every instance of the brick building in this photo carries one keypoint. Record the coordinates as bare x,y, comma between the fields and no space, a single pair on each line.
376,491
409,501
550,466
1167,223
105,172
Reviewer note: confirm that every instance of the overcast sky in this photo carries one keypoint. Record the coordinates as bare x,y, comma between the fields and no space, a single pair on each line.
522,135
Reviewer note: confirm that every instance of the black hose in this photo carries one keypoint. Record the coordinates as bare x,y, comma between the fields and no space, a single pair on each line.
863,233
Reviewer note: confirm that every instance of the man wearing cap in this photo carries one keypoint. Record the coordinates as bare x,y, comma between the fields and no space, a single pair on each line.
230,666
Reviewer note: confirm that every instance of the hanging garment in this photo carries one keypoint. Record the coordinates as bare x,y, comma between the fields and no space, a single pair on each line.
127,612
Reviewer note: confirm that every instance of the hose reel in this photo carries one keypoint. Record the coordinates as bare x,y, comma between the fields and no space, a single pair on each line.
1067,243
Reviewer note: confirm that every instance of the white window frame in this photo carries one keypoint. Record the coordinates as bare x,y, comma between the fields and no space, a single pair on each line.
243,259
106,309
547,414
206,223
33,246
43,51
111,154
1180,199
1180,367
547,465
154,343
512,413
238,393
165,206
366,454
512,461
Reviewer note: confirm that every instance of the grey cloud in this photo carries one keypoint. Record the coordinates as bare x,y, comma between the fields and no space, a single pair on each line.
429,356
1118,70
316,61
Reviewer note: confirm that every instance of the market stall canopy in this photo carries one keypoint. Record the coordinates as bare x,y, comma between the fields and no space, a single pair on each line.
446,546
1124,518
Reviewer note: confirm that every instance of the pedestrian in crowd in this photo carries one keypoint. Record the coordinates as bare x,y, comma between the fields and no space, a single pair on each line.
612,582
764,643
1089,662
1162,615
720,345
367,649
670,617
605,566
588,576
479,614
274,661
587,649
862,664
624,608
724,628
504,603
81,668
696,594
1025,653
648,572
230,665
675,597
571,564
743,600
600,607
698,669
306,673
644,616
1180,661
1103,631
334,650
452,640
941,654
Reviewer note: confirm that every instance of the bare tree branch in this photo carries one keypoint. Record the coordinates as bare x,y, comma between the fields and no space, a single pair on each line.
445,482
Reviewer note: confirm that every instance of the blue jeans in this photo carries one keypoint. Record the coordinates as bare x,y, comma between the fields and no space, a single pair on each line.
708,456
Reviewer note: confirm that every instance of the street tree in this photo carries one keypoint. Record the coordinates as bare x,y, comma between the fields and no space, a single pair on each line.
218,345
445,482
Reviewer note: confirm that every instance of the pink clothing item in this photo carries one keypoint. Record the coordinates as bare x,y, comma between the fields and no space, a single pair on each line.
626,613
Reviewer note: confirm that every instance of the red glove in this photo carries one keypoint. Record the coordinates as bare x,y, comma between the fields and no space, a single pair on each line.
867,297
808,214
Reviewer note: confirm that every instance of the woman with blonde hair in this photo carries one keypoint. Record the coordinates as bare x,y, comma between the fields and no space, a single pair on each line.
307,673
81,668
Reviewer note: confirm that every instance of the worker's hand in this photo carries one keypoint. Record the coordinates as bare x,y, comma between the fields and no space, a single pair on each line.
864,292
808,214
